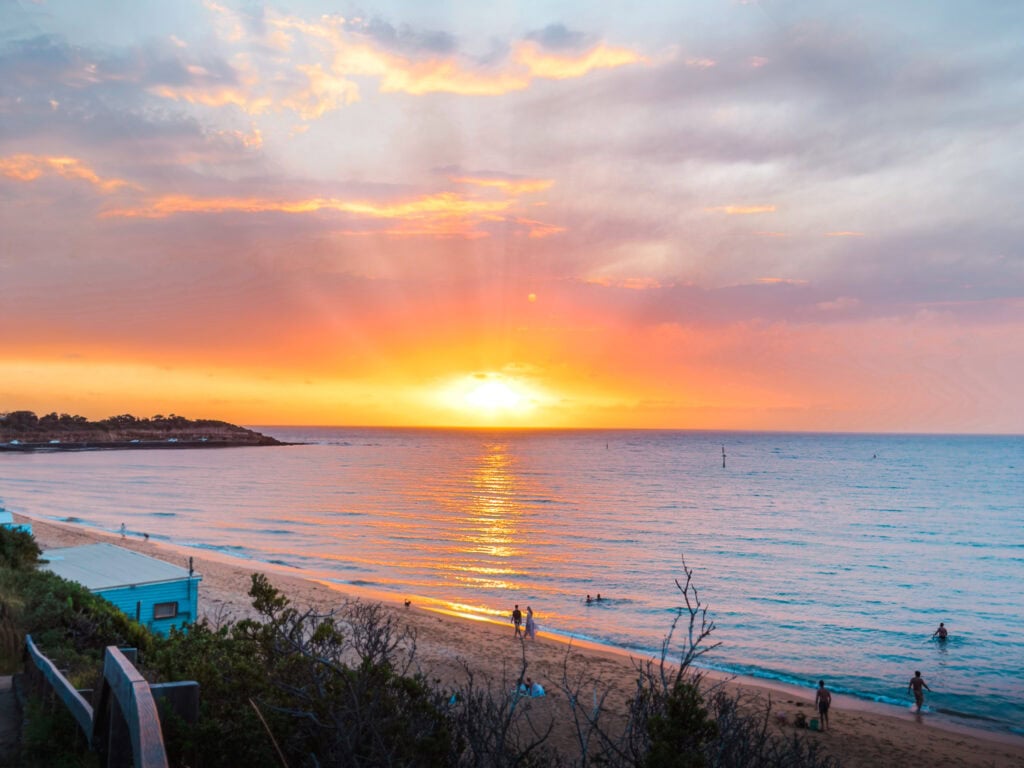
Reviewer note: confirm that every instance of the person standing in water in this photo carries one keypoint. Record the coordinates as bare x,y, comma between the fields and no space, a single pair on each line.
917,685
942,633
823,700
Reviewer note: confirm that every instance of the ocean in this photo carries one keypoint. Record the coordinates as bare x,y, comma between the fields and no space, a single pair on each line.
829,556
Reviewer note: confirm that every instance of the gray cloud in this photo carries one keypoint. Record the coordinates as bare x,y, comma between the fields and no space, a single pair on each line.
558,37
406,39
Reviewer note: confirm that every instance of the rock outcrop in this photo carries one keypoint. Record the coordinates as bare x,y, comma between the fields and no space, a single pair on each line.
23,431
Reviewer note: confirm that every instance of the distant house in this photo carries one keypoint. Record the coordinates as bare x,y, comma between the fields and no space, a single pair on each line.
7,521
155,593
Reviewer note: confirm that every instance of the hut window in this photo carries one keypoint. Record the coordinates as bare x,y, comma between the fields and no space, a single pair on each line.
165,610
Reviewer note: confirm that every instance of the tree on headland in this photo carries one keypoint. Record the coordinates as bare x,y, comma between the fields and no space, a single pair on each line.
19,420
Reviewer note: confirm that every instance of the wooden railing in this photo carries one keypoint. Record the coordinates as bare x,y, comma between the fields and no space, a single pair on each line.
125,724
80,709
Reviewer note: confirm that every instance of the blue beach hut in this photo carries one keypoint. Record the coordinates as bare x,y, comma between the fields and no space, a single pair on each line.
7,521
155,593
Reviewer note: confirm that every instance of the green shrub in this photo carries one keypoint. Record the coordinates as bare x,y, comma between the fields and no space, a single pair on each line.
307,684
680,732
18,549
230,671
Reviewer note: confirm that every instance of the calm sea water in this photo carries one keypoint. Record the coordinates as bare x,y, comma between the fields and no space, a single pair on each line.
830,556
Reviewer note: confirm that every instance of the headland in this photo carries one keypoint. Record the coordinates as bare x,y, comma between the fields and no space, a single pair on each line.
25,431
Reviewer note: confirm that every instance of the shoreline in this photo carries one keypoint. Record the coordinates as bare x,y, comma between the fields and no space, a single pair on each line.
863,733
767,685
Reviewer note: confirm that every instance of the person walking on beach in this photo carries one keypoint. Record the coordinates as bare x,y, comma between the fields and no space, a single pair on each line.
823,700
517,620
917,685
531,626
942,633
124,530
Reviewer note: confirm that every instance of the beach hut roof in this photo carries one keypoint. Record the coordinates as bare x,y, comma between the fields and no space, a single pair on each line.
105,566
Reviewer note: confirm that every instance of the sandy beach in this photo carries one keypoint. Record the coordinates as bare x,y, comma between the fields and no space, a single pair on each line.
861,734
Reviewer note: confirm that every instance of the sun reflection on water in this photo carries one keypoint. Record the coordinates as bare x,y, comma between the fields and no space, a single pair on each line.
486,522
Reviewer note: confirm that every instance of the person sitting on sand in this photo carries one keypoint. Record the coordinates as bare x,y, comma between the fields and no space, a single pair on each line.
536,689
942,633
917,685
823,698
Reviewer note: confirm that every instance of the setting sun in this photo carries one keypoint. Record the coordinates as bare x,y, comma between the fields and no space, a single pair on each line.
491,399
493,395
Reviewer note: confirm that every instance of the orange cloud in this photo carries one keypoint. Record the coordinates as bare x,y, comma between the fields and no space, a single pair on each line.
396,74
351,57
509,186
440,215
327,54
335,54
844,234
215,97
742,210
326,92
442,203
553,67
32,167
446,76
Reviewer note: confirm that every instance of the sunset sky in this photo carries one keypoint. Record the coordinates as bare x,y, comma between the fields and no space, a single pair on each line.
722,214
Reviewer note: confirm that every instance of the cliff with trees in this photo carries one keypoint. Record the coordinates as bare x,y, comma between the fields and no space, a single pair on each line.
24,430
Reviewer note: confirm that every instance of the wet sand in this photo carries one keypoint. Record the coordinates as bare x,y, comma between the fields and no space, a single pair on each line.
862,735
